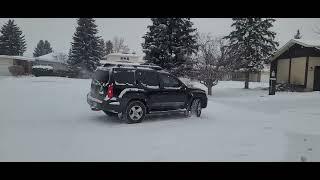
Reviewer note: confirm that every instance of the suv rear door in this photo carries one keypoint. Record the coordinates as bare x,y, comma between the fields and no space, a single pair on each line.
172,91
100,78
123,78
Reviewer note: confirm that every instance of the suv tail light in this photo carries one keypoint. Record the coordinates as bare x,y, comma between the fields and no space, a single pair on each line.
110,91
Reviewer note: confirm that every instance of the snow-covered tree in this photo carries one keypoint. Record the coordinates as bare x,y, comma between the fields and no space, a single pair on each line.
86,50
169,42
43,48
254,43
102,45
12,41
109,47
297,35
119,46
212,61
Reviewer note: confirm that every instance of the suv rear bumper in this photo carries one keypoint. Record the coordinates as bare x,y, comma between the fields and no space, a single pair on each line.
110,105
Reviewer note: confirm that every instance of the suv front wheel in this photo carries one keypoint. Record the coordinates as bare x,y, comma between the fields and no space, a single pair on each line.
135,112
196,107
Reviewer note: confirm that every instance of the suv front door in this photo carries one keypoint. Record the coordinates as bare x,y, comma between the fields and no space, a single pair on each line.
149,81
173,92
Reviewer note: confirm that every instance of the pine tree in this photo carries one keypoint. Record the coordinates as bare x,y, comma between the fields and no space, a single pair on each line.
12,41
43,48
297,35
109,47
102,46
253,42
86,50
169,42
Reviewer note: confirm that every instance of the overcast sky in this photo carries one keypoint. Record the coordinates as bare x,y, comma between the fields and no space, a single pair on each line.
59,31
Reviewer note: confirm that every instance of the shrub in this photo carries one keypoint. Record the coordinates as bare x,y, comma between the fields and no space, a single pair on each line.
16,70
41,70
289,87
66,73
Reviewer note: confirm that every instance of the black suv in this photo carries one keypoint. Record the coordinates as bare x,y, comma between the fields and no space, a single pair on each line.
132,91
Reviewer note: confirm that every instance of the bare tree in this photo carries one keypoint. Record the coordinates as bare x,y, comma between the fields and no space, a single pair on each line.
119,46
212,61
61,57
297,35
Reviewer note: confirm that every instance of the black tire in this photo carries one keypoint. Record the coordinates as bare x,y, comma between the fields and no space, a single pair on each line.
135,112
110,113
196,107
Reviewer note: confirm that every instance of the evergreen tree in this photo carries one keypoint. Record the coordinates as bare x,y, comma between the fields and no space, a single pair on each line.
253,42
169,42
109,47
102,47
297,35
12,41
86,50
43,48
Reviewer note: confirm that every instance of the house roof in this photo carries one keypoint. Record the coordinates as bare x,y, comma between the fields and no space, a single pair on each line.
18,57
51,57
302,42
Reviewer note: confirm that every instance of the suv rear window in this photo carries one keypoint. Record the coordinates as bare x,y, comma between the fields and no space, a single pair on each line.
123,76
148,79
101,75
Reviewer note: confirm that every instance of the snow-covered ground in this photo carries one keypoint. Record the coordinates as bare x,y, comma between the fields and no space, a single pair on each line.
48,119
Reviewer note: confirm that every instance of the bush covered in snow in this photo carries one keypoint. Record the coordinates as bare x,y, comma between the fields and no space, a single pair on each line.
41,70
67,73
16,70
289,87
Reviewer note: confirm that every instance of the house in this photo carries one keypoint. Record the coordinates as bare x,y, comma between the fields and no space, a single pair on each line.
56,60
7,61
298,63
122,57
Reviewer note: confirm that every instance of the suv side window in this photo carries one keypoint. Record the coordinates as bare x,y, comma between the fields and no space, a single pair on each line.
123,76
169,81
148,79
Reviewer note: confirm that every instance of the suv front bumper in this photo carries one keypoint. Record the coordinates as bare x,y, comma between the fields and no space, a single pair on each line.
110,105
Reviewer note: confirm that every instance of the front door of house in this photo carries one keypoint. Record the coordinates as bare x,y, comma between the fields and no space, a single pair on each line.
316,85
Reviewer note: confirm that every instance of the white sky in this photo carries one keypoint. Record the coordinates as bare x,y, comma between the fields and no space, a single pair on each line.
59,31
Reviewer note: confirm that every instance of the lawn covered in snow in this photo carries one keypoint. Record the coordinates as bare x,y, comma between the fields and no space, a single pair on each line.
48,119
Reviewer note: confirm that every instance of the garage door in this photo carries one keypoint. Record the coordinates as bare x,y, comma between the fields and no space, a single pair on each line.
4,64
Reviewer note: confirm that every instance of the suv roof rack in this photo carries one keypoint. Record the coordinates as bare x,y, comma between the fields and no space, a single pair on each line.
143,65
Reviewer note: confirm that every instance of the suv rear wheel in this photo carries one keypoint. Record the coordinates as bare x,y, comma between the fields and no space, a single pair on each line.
135,112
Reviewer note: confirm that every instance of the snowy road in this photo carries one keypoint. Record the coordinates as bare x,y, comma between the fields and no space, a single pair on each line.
48,119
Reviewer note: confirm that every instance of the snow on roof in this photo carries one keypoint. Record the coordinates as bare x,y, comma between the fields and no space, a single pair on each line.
52,57
302,42
18,57
42,67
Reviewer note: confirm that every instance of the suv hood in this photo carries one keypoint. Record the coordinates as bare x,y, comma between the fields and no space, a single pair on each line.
196,89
